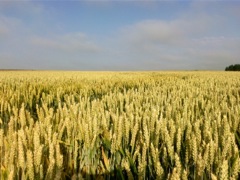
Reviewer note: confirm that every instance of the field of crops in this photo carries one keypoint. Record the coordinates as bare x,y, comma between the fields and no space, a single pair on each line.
108,125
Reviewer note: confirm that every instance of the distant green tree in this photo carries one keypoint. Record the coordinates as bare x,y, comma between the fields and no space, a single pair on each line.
235,67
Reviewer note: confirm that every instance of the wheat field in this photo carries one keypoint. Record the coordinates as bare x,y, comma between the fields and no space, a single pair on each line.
119,125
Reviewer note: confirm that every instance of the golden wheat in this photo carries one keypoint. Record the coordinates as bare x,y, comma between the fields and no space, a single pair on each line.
146,125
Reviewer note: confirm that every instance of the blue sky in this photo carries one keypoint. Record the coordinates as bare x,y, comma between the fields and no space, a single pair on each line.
119,35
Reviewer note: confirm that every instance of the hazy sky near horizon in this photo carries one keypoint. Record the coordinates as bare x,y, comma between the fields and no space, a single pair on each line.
119,35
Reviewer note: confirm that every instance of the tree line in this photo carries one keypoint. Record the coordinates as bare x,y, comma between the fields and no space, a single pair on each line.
235,67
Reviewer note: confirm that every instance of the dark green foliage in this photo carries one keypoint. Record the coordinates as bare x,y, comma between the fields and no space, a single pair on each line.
235,67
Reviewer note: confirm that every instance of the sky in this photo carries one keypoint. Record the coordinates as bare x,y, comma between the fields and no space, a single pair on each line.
119,35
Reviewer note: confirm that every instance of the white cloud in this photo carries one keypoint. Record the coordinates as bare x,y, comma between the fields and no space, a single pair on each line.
169,32
152,31
192,41
72,42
